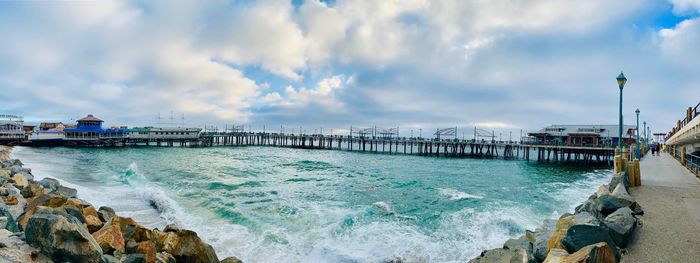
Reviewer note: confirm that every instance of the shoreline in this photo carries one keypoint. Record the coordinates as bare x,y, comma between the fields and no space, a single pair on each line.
44,221
599,230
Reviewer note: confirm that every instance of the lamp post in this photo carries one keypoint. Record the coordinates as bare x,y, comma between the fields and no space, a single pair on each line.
637,130
621,80
646,137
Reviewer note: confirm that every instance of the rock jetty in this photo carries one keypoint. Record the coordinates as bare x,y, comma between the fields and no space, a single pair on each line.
597,232
43,221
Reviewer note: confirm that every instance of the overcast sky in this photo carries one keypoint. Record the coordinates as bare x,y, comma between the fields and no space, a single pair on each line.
505,65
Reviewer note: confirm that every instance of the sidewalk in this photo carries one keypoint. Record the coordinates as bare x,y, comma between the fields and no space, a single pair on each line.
670,230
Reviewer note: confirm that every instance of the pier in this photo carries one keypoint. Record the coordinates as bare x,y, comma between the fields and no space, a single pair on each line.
414,146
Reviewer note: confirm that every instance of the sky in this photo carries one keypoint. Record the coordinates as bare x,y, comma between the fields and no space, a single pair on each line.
412,64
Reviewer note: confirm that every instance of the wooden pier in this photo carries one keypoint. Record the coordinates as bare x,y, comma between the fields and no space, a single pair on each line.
395,145
417,146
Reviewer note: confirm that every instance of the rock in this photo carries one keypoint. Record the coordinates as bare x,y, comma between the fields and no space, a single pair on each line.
521,243
17,162
66,192
231,259
515,243
556,255
621,224
106,258
585,218
105,213
9,222
135,258
541,237
190,248
596,253
10,200
61,238
579,236
148,249
110,238
17,209
14,250
32,190
49,184
499,255
4,191
75,202
75,212
172,227
89,210
131,230
50,200
92,223
602,190
19,181
165,257
4,174
560,229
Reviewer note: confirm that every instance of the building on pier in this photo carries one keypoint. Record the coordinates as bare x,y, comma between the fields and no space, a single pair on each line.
583,135
11,128
90,128
159,133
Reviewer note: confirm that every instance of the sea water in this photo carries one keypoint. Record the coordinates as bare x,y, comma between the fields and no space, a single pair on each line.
264,204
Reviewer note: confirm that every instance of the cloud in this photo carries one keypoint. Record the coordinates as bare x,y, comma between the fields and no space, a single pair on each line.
414,63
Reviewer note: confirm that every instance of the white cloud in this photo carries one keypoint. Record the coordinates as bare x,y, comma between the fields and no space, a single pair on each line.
324,94
684,7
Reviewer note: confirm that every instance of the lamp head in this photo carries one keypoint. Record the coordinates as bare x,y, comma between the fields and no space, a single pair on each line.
621,80
637,112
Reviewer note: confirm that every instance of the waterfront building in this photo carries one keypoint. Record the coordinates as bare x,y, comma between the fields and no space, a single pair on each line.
160,133
11,128
583,135
89,128
45,126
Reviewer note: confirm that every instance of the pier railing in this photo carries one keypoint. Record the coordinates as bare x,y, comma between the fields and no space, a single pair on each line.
692,162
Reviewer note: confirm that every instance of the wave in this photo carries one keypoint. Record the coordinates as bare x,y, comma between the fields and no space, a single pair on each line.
457,195
390,210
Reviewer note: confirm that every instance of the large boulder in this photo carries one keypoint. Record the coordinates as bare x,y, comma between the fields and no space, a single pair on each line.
66,192
110,238
556,255
541,238
621,224
105,213
579,236
49,184
521,243
560,229
595,253
14,250
32,190
9,221
185,246
498,255
20,181
62,238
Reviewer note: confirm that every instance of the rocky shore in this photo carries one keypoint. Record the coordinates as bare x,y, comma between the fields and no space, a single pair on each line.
597,232
43,221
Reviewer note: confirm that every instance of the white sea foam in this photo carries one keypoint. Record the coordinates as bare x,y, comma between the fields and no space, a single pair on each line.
457,195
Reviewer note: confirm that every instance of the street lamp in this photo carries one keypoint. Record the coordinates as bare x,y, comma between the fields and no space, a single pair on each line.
646,136
637,130
621,80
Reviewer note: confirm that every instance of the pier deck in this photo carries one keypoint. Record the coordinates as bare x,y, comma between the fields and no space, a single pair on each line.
670,196
395,145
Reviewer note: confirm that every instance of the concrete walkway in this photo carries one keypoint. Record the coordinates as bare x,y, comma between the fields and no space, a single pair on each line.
670,230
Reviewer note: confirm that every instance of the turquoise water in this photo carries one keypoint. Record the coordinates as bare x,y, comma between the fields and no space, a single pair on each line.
265,204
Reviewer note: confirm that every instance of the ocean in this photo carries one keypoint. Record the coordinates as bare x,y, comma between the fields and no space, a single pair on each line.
265,204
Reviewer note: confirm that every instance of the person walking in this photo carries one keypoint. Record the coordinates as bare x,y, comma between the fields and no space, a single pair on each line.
653,149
